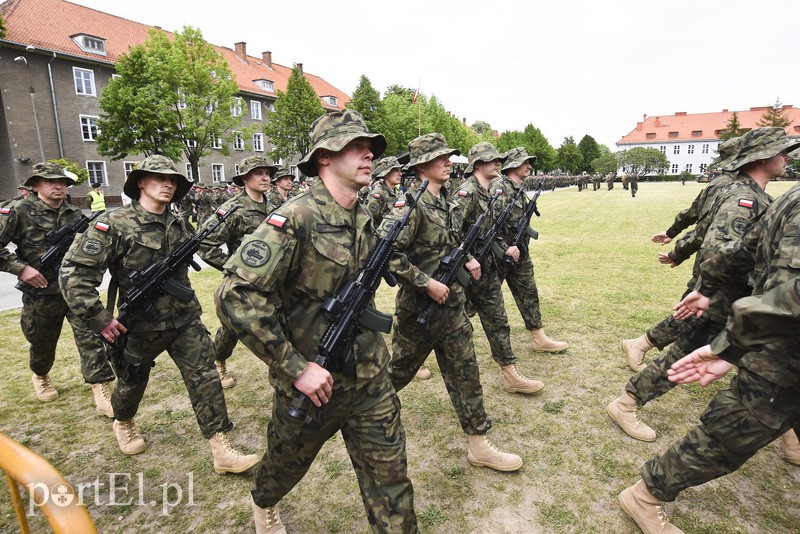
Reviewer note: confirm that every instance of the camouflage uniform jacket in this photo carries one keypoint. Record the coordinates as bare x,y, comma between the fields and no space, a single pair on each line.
186,204
276,282
242,222
123,241
473,199
762,331
26,224
432,231
510,189
275,200
379,201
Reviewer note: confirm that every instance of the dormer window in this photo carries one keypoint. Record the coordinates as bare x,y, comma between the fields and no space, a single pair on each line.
90,44
330,100
265,85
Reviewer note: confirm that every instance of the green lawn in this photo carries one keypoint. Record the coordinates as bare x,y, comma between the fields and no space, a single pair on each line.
599,282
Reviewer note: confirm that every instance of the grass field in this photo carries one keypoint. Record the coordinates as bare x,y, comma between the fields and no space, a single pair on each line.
599,282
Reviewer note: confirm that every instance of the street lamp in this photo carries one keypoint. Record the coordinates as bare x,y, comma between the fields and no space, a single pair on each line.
32,91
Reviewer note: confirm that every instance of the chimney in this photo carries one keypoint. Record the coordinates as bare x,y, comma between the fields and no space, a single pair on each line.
644,117
241,50
267,57
464,120
638,125
299,67
725,110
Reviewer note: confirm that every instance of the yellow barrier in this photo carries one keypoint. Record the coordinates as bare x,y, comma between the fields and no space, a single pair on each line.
24,467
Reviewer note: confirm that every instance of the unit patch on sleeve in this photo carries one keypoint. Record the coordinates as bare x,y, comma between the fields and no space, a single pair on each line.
255,253
92,247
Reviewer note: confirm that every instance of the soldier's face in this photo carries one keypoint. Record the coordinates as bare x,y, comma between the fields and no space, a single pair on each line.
488,169
776,165
51,190
436,170
352,164
158,188
393,178
258,179
284,183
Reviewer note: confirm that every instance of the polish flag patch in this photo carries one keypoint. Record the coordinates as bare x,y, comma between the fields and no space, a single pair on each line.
498,191
746,203
276,220
5,211
463,193
103,227
221,212
399,203
376,195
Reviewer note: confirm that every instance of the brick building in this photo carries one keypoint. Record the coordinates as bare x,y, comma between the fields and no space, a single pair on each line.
690,140
57,57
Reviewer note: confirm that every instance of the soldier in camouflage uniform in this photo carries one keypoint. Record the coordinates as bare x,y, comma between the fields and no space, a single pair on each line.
486,294
281,188
203,203
761,338
186,206
26,224
737,206
272,296
131,239
24,192
666,331
255,176
434,229
382,196
519,274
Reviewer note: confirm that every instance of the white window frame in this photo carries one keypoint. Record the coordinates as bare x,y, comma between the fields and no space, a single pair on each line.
216,142
704,148
191,143
255,110
128,167
674,168
270,106
90,128
236,108
676,149
293,170
236,169
329,99
238,141
690,149
217,173
189,171
76,72
663,149
689,167
258,142
703,167
266,85
104,180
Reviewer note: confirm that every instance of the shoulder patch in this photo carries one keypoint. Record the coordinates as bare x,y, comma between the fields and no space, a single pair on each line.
276,220
221,212
400,203
739,225
5,211
746,202
255,253
92,247
376,195
499,191
463,193
103,227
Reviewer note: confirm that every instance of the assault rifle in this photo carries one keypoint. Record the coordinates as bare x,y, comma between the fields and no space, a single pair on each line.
451,266
60,240
350,309
487,243
523,227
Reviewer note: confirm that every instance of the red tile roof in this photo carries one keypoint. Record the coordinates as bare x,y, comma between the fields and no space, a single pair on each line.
683,126
50,24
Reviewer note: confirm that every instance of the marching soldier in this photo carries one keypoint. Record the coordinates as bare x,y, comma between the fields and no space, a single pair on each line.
282,188
381,198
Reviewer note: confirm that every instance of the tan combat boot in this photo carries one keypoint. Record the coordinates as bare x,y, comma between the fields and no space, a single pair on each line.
542,343
224,376
102,399
642,507
634,349
44,389
791,447
130,442
268,520
623,411
226,458
423,373
513,382
481,453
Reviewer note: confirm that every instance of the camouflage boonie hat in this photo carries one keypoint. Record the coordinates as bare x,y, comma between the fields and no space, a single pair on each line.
253,162
49,171
516,157
483,151
25,187
156,165
427,148
384,167
728,150
333,131
762,143
280,173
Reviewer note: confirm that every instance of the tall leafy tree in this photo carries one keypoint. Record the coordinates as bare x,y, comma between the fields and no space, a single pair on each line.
775,116
295,111
643,160
367,101
734,128
173,97
570,158
590,150
605,163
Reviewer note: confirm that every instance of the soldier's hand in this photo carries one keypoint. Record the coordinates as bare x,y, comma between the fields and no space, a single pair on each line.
316,383
113,331
695,303
513,251
474,268
32,277
437,291
701,365
664,259
661,238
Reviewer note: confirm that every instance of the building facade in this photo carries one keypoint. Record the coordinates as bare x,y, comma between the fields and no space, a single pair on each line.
55,60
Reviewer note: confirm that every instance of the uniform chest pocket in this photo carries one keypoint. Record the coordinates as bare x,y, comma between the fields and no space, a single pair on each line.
145,250
325,264
788,251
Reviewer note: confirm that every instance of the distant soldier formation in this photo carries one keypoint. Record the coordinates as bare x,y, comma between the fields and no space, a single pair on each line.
301,261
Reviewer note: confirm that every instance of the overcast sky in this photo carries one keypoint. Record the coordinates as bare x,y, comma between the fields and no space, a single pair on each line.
569,67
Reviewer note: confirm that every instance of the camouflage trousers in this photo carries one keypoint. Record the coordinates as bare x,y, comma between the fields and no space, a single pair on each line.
741,419
42,318
225,341
667,331
522,283
369,421
486,297
191,349
449,335
652,382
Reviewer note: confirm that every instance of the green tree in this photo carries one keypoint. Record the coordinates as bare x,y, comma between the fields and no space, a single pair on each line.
74,168
605,163
367,101
570,158
590,151
481,126
775,116
405,92
173,97
642,160
295,111
734,128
